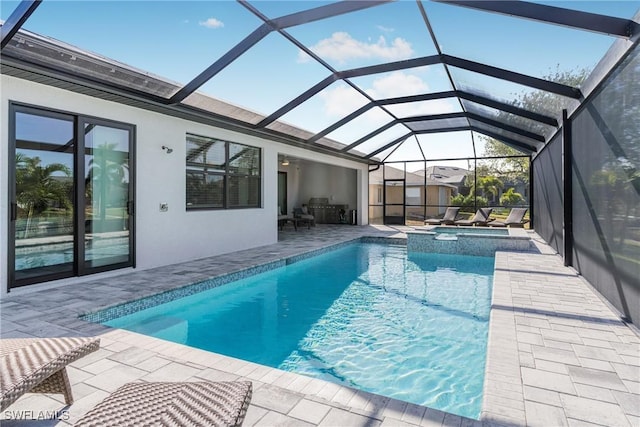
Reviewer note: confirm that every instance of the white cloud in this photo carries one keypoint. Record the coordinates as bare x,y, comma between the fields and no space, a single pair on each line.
397,83
341,47
212,23
303,57
341,101
385,29
401,83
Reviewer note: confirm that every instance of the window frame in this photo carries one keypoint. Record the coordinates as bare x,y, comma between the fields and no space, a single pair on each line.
227,174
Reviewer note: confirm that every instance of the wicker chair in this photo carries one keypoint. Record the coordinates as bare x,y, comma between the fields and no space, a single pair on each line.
38,365
172,404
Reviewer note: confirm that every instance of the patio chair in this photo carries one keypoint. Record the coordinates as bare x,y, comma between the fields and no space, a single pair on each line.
38,365
172,404
283,219
303,215
480,218
449,217
515,219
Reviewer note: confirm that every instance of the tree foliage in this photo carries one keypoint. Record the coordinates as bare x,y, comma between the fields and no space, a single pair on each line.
469,202
37,188
513,169
108,172
511,198
517,169
490,185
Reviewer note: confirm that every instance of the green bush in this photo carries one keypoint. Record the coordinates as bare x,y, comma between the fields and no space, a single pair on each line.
511,198
469,202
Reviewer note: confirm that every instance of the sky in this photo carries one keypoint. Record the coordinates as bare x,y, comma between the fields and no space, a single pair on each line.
178,39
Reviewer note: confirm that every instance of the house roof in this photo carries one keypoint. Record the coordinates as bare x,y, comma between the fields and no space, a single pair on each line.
414,178
474,90
446,174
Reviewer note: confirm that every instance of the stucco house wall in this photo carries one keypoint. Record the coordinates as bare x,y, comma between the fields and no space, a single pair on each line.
176,235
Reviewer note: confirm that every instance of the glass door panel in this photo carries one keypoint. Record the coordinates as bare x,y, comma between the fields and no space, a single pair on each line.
43,195
106,195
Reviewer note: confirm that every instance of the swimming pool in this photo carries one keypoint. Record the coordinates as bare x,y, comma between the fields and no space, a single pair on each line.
408,326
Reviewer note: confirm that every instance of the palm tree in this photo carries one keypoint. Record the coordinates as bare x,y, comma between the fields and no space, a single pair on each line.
490,185
36,186
511,198
108,171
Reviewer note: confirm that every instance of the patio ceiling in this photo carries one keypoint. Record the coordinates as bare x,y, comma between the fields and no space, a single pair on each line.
463,80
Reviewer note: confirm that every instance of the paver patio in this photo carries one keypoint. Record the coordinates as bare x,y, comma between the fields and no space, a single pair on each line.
557,354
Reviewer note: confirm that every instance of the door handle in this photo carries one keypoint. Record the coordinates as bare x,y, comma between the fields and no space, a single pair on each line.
14,211
130,207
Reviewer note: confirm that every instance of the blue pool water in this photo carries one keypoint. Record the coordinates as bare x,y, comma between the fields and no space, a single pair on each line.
408,326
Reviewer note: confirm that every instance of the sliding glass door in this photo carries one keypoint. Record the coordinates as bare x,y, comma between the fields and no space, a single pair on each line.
71,196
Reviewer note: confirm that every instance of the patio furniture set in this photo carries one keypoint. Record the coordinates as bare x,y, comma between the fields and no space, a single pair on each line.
300,216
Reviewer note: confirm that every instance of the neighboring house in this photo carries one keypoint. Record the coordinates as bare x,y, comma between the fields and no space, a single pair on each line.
451,175
455,176
436,198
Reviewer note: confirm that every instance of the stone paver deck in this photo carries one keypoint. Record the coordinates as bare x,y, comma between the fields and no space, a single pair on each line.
557,354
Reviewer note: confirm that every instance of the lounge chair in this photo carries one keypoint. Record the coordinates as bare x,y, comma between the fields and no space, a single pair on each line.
38,365
480,218
449,217
515,219
222,403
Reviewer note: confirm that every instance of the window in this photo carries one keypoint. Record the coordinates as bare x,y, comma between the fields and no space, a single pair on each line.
413,195
222,174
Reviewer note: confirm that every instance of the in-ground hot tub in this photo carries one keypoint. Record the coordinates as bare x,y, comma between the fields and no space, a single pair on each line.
479,241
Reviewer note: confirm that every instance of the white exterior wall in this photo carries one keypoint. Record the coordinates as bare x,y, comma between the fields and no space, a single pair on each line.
177,235
310,179
336,184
